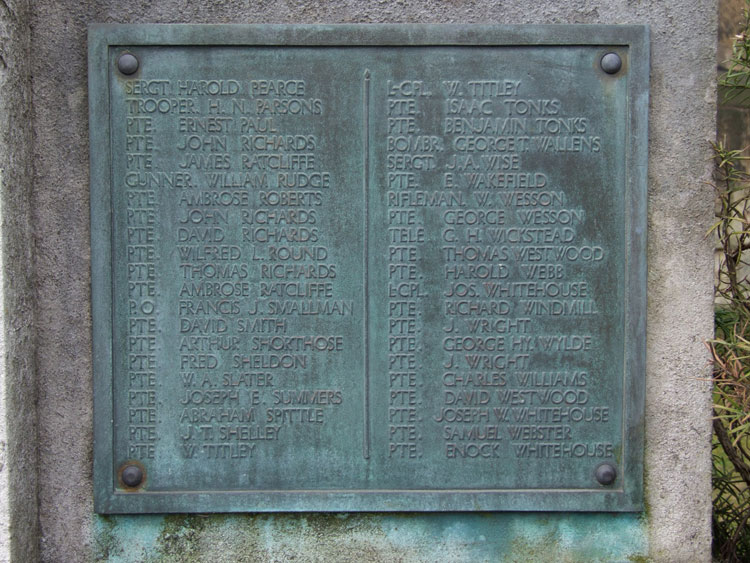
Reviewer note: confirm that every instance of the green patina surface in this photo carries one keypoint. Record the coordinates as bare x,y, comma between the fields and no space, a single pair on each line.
415,155
372,538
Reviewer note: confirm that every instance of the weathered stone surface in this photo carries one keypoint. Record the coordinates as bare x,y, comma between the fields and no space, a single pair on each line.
18,439
676,524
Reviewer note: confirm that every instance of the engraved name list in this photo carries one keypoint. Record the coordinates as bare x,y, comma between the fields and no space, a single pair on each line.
362,271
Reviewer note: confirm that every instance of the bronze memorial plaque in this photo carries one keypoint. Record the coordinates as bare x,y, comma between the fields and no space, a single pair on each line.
368,268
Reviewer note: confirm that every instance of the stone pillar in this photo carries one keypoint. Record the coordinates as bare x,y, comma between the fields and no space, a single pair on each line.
676,525
19,530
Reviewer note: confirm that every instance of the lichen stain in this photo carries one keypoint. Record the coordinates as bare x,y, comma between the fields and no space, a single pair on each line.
370,538
179,539
107,544
639,559
266,538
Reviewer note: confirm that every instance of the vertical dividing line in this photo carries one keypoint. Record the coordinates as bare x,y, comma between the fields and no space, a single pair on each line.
366,258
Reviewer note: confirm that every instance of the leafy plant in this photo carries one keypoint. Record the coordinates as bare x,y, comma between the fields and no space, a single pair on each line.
731,346
737,77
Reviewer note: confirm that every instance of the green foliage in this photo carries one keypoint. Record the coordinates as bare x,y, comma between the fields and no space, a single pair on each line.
731,346
731,505
731,352
737,77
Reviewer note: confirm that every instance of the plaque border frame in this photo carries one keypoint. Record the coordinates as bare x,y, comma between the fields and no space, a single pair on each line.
627,498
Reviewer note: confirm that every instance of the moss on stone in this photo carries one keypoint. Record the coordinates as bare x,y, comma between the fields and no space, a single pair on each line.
106,543
180,536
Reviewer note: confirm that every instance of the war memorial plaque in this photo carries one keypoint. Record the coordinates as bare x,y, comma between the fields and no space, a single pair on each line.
368,268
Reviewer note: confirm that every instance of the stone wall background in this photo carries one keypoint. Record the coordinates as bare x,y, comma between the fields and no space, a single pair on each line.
50,186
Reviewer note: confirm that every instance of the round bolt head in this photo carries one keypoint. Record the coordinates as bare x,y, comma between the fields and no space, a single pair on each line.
606,474
611,63
127,63
132,475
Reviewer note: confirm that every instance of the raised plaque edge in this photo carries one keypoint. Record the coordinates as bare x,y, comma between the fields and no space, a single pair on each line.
627,499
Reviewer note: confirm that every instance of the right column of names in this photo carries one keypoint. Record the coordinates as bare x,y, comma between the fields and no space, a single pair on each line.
520,316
